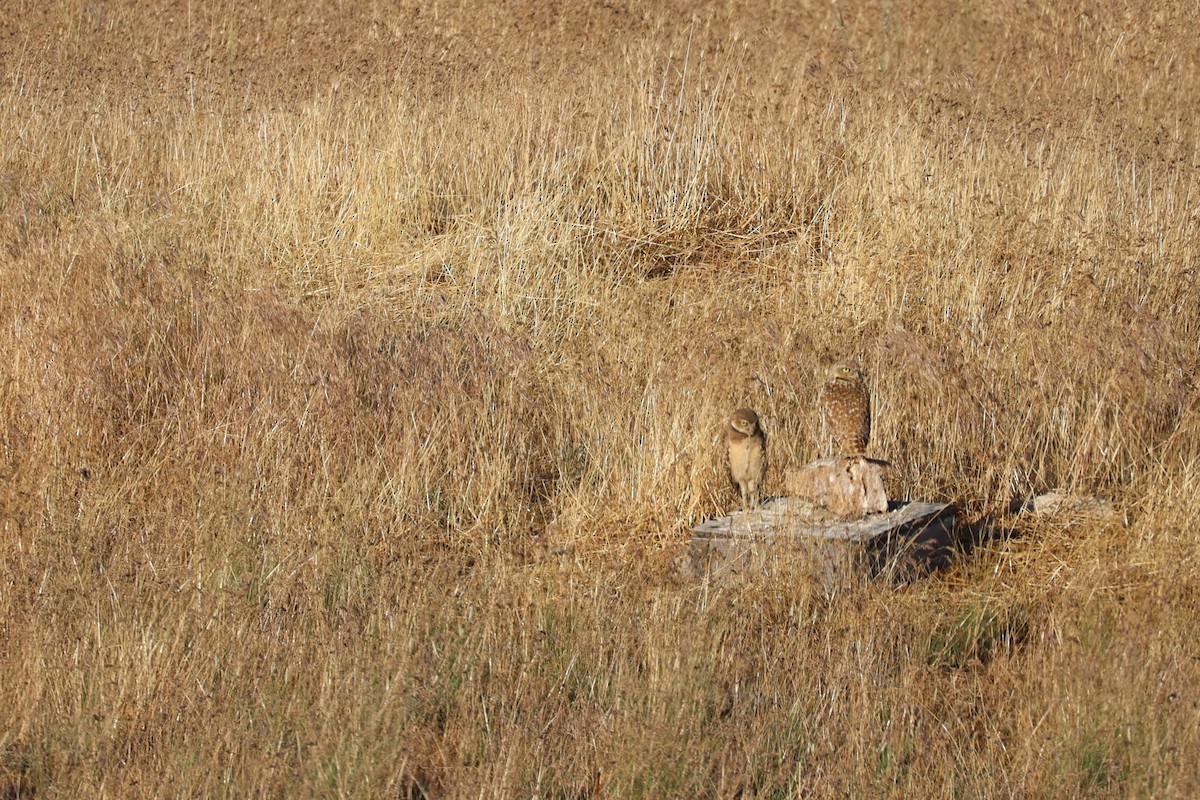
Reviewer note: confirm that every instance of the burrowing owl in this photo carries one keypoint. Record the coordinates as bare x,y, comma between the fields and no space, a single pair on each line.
747,455
846,406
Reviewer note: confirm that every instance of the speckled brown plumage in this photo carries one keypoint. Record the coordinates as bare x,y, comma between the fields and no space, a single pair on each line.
846,406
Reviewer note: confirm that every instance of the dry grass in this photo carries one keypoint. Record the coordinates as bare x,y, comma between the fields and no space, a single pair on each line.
365,368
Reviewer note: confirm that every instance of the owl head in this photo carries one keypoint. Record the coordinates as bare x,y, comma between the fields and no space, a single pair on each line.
744,421
849,371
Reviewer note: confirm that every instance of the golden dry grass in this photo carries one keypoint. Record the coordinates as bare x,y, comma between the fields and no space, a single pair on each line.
366,366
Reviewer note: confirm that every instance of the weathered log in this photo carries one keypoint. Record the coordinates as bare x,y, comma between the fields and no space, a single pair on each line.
903,541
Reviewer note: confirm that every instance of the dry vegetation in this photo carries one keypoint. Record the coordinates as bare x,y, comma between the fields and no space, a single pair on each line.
365,363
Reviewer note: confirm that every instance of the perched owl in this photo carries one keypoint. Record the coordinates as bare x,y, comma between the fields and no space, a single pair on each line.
747,455
846,406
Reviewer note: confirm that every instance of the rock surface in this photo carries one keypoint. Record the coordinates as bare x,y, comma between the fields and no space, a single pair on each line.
847,487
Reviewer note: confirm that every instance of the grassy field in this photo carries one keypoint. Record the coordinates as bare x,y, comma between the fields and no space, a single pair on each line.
365,367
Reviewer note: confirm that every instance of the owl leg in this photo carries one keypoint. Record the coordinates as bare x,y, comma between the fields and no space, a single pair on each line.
747,500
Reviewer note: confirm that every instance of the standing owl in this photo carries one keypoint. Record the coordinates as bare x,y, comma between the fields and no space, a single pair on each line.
846,406
747,455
